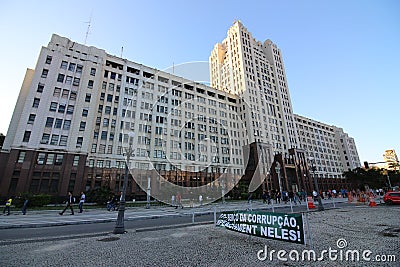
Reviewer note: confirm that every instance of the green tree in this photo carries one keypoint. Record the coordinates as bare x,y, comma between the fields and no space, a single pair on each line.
373,178
99,195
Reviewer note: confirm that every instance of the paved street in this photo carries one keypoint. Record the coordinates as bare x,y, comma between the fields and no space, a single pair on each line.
52,218
361,228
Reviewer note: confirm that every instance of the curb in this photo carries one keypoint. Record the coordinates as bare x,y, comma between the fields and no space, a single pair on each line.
138,230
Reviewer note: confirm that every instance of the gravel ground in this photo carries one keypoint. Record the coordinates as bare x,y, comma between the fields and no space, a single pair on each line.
364,228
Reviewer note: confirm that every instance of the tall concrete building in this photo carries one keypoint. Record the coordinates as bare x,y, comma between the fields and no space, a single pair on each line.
77,109
327,146
255,72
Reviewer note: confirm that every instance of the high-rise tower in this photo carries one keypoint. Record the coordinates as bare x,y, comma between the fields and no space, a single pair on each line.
255,71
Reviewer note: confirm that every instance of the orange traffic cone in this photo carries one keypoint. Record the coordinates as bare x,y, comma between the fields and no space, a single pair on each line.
310,202
372,202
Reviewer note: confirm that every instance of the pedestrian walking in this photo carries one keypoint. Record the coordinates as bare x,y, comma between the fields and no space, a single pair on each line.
297,198
68,204
178,199
268,198
8,206
249,197
173,200
201,200
264,197
25,206
278,197
291,196
81,201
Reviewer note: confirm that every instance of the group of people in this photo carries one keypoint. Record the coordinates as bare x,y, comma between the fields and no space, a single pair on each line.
285,196
70,200
8,204
176,201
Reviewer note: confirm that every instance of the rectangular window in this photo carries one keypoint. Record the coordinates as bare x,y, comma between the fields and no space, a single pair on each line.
65,93
68,80
93,71
44,73
85,112
54,186
63,140
50,159
31,119
72,96
108,163
109,98
102,149
64,65
90,84
79,68
54,139
70,109
61,108
76,81
87,98
104,135
40,88
67,125
94,148
49,122
27,136
59,159
60,78
57,92
53,106
82,126
21,156
76,161
58,123
36,102
71,66
107,110
40,159
45,138
79,142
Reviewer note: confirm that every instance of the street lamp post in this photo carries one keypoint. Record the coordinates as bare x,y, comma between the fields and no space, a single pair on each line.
119,226
278,172
314,168
148,192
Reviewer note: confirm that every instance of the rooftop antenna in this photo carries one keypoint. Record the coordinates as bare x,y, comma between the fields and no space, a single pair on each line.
122,50
88,28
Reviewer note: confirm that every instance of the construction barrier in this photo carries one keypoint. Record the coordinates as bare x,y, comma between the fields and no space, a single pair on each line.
310,203
372,202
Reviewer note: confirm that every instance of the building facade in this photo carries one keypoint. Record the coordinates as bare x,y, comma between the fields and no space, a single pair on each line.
78,108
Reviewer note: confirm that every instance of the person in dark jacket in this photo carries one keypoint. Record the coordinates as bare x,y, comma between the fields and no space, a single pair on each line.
70,200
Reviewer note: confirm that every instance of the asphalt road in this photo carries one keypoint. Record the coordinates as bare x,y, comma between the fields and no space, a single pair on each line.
30,234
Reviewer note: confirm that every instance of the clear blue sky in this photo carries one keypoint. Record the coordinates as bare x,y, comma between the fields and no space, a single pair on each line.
341,57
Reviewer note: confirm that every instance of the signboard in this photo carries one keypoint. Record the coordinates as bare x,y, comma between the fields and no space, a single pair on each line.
278,226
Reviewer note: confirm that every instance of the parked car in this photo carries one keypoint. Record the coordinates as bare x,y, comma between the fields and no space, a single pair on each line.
392,198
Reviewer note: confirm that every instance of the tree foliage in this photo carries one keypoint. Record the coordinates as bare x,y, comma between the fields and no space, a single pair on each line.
99,195
373,178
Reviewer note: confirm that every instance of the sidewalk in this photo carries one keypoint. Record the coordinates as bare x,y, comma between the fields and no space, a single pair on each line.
43,218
